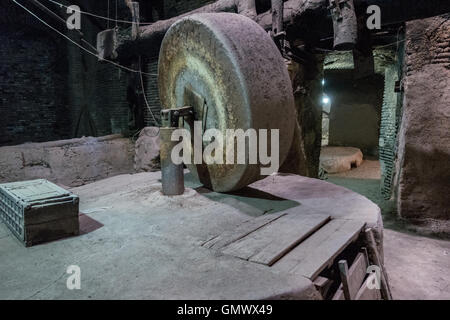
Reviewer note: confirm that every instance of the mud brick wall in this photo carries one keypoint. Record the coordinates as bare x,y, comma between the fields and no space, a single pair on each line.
71,162
424,139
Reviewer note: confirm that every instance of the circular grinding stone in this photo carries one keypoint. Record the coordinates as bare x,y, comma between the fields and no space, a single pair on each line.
230,71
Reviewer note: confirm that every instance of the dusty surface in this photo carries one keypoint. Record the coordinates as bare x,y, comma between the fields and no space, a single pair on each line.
150,246
68,162
146,158
417,265
340,159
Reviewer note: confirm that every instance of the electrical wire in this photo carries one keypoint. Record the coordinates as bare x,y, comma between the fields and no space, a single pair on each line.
143,93
78,45
100,17
36,2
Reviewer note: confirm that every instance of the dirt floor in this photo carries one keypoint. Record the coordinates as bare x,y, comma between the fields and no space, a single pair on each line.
418,265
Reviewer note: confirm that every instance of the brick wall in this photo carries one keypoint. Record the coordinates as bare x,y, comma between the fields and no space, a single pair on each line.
31,75
51,89
152,94
97,92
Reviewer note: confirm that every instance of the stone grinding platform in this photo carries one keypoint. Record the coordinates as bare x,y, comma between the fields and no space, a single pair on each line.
268,240
340,159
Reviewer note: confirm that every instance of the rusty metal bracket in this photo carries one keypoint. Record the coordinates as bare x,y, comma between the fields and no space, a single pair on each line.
171,117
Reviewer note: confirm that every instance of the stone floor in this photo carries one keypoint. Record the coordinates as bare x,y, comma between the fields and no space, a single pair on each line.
138,244
418,265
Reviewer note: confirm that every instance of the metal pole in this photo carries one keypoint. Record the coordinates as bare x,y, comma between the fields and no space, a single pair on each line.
172,174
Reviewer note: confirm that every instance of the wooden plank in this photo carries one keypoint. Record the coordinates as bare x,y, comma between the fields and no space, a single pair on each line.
339,295
343,270
368,294
241,231
375,256
319,251
322,285
373,253
269,243
356,275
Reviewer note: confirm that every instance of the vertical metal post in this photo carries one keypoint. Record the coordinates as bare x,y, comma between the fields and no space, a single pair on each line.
172,174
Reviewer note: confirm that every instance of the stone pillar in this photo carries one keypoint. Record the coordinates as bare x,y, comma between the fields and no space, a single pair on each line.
424,137
307,86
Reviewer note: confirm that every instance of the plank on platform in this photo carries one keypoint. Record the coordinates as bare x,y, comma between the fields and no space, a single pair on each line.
269,243
241,231
318,251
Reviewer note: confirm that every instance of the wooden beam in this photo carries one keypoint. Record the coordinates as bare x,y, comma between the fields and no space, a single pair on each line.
152,35
295,12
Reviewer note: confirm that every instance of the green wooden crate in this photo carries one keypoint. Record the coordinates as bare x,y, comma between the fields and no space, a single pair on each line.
38,211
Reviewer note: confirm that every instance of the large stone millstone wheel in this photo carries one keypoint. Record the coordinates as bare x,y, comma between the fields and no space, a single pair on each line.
230,71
